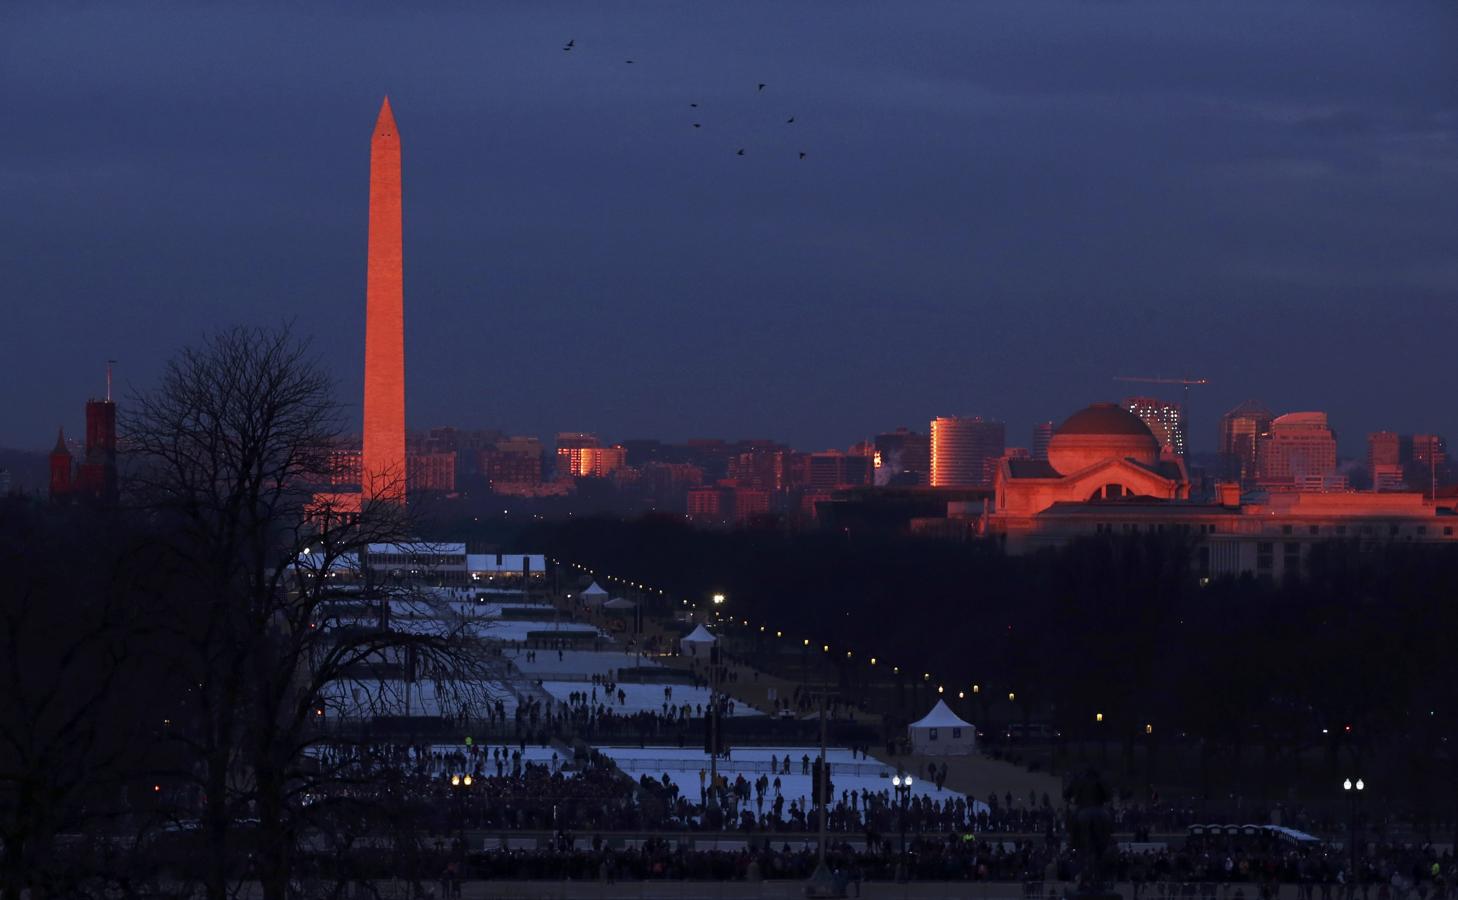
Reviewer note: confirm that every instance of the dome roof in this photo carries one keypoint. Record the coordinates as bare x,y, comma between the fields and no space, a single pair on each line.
1104,418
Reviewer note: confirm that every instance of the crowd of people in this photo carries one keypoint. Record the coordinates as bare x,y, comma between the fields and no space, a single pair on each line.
1043,869
509,791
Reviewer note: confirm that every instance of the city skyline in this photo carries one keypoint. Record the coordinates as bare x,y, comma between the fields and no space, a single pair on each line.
560,208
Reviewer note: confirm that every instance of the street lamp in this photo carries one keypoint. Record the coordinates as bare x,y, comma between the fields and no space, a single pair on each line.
1353,790
902,785
460,783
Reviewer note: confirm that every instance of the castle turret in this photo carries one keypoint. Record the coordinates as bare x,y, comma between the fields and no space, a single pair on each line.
60,467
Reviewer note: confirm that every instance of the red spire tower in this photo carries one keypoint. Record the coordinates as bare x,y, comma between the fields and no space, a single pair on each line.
383,458
60,467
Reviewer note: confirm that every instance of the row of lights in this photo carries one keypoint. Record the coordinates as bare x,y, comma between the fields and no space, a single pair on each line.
719,600
461,780
624,581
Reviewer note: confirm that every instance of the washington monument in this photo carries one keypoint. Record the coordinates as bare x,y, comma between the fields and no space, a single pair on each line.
383,462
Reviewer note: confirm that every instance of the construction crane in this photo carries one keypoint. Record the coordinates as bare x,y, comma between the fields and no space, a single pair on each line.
1185,383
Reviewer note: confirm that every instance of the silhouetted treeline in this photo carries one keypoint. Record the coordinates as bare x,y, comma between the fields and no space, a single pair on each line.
1350,667
168,665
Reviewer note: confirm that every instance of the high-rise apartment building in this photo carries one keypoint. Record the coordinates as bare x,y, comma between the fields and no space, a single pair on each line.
708,505
1042,434
965,451
1385,459
343,466
1428,468
834,469
1164,418
433,473
1240,432
514,462
750,504
903,457
760,468
1299,452
581,455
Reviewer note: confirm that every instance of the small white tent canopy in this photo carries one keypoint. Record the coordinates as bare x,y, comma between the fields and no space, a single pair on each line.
593,595
620,603
942,733
697,642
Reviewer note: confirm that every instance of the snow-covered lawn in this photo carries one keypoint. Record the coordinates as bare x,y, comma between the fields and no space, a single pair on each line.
641,697
519,630
682,766
366,699
584,663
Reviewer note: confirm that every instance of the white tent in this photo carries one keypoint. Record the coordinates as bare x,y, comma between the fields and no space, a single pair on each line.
593,595
942,733
620,603
698,639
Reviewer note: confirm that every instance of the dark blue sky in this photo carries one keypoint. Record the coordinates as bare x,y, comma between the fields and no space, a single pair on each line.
1003,205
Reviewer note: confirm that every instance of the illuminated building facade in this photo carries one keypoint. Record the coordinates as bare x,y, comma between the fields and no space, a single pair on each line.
1105,476
708,505
1299,452
964,451
1099,454
580,456
1429,465
1385,460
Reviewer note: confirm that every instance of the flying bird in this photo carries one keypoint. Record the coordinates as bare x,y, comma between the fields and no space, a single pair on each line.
696,124
761,85
790,120
741,152
802,154
628,61
570,44
694,105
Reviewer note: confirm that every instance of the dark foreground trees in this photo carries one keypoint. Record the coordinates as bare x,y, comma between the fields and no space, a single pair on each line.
170,666
81,675
229,450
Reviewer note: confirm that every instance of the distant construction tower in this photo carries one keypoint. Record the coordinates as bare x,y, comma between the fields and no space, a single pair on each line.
1170,422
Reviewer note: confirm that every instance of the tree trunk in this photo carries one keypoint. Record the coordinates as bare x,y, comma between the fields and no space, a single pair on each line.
215,823
273,841
14,866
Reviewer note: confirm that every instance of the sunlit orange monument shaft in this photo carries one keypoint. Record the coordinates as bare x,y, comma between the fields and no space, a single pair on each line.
383,463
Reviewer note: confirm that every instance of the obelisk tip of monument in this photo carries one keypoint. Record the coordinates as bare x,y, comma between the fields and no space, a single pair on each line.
386,121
